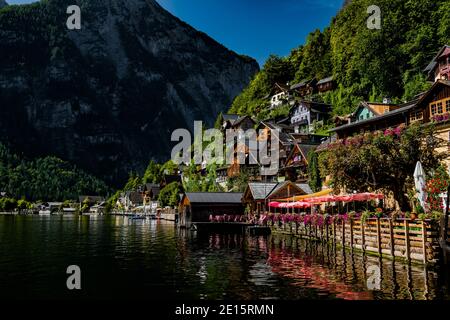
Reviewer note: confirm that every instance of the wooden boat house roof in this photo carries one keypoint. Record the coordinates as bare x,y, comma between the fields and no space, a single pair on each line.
213,197
261,191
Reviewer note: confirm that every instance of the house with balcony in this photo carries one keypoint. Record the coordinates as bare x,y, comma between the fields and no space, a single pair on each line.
433,106
306,115
304,88
439,67
296,166
280,95
326,84
368,110
258,195
228,120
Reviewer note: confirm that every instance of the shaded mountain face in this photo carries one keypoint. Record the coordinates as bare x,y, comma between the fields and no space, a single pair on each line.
107,97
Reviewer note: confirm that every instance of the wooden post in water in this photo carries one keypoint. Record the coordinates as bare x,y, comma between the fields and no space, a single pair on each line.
343,233
379,236
351,233
408,255
363,236
391,234
334,232
424,241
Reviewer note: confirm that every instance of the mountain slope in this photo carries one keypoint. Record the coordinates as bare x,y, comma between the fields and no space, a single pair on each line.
107,97
367,64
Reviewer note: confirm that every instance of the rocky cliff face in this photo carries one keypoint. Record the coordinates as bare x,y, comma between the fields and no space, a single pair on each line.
107,97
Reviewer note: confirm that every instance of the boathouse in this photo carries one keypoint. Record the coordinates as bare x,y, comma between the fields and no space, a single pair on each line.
258,195
198,206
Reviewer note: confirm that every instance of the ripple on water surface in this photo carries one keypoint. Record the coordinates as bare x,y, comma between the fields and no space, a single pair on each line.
124,258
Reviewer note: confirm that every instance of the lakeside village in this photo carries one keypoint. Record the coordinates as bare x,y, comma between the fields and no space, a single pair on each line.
374,181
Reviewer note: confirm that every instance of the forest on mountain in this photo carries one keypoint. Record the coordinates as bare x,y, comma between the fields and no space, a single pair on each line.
46,179
367,64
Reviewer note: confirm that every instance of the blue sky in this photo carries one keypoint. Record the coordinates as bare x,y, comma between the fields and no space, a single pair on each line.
253,27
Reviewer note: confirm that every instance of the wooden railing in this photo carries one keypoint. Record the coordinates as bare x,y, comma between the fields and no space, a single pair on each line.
412,240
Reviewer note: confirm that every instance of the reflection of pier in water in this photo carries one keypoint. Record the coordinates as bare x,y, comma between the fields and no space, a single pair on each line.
348,276
336,272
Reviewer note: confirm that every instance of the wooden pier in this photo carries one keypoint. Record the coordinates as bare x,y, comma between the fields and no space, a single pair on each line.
403,238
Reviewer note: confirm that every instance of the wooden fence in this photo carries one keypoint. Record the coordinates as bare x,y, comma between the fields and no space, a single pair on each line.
403,238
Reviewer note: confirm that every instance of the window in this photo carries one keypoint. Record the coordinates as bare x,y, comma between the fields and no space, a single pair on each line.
416,116
439,108
433,109
447,106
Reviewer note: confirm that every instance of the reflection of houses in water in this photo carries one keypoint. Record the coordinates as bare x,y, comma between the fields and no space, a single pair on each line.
348,276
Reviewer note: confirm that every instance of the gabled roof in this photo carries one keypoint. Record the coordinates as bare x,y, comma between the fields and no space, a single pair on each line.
279,87
302,84
260,190
230,117
312,105
280,186
367,105
304,149
433,62
241,119
402,108
325,80
305,187
214,197
435,85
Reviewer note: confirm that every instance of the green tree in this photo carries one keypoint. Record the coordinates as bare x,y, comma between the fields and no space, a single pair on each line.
366,64
382,160
315,181
23,204
134,181
170,195
8,204
152,173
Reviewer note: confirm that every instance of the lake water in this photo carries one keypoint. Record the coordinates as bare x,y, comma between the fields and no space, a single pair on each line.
123,258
